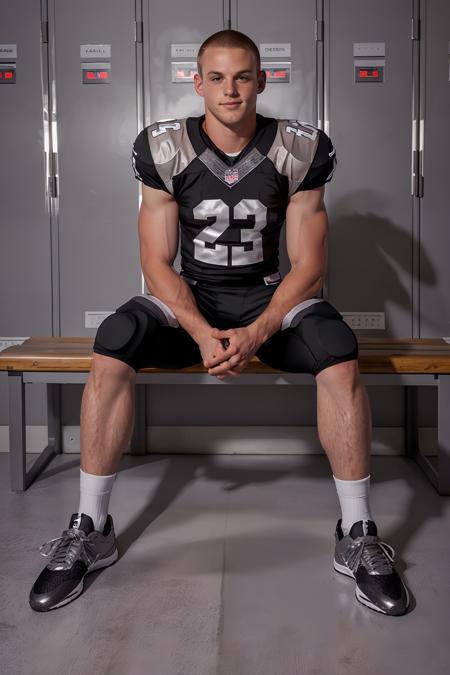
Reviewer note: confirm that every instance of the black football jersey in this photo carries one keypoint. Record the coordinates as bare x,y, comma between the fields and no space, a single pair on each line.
232,209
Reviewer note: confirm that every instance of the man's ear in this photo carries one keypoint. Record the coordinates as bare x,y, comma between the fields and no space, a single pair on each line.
261,81
198,84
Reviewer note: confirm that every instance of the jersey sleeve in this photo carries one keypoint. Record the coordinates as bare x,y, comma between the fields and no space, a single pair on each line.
143,164
322,166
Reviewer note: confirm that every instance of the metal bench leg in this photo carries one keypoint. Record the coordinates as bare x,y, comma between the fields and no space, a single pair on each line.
17,437
412,436
54,417
443,485
411,426
138,445
21,479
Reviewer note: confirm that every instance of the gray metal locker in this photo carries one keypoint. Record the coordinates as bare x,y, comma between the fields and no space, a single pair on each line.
370,122
96,125
25,247
434,142
26,236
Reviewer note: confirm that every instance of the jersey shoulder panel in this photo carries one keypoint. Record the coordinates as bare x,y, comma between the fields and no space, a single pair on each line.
143,164
295,150
161,151
323,165
171,148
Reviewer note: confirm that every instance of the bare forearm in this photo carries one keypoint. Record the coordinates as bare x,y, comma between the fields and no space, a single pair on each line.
298,285
167,285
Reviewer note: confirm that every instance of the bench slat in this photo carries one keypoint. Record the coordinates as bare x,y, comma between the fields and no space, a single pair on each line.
376,355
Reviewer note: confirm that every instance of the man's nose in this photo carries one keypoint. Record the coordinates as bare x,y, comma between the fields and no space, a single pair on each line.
230,87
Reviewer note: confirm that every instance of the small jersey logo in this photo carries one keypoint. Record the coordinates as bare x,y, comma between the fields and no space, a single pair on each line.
231,176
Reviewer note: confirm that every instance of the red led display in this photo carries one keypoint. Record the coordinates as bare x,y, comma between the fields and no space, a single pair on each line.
97,75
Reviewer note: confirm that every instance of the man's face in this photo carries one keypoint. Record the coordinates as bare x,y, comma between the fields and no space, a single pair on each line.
229,77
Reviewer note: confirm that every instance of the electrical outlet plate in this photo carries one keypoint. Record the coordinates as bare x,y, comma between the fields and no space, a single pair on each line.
94,319
365,320
6,342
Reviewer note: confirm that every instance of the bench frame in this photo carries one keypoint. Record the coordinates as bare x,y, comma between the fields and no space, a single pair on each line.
437,472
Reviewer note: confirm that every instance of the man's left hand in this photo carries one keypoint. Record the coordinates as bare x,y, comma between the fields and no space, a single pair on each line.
243,343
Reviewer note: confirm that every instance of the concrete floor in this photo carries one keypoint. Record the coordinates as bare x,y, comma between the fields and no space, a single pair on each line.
225,568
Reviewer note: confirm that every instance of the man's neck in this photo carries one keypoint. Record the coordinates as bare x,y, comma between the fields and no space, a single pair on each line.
229,139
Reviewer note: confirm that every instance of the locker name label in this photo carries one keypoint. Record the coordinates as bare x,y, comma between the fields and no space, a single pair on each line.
272,49
8,51
94,51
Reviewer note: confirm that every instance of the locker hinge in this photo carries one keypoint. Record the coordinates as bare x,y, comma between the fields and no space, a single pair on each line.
319,31
415,28
419,185
53,178
418,177
138,32
44,32
52,186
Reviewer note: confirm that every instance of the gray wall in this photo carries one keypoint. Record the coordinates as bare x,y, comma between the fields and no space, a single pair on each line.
63,255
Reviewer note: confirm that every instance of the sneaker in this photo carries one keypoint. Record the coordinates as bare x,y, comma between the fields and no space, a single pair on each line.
80,550
362,555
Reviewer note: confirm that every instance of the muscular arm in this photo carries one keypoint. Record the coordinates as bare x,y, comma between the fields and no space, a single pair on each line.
158,243
306,239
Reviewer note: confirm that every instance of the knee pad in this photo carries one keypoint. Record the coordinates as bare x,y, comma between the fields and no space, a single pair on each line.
122,331
326,334
121,334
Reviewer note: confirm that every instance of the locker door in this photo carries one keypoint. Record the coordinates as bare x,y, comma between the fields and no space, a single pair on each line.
274,26
168,23
97,123
370,261
25,249
435,208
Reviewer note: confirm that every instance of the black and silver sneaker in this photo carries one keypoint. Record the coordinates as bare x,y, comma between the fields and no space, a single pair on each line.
80,550
362,555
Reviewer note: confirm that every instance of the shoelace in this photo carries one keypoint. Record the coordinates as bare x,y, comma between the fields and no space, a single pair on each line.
72,544
377,555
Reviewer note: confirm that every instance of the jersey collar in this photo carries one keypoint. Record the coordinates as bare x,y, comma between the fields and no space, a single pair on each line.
266,129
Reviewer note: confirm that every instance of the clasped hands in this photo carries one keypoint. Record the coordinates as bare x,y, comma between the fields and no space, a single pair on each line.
239,344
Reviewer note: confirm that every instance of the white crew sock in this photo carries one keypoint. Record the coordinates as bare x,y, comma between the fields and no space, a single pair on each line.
354,500
95,492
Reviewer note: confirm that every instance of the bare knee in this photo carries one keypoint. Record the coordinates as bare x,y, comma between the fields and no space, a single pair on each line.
340,374
106,365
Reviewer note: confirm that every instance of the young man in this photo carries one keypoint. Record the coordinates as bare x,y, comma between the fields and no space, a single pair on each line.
230,178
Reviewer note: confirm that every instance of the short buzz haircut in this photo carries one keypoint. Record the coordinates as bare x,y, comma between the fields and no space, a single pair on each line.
228,38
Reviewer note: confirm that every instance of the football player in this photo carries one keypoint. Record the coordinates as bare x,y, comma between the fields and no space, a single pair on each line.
224,183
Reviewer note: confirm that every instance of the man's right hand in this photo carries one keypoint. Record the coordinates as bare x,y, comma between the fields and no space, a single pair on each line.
210,347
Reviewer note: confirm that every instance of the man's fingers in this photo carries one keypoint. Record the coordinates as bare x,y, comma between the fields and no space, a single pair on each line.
218,359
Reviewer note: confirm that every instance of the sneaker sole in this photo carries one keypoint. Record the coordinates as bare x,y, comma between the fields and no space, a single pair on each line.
103,562
363,599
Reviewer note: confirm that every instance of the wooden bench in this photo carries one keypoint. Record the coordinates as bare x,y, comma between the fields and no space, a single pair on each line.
382,361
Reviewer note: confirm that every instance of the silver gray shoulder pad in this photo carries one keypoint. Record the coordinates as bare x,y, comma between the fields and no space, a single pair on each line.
171,148
293,150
